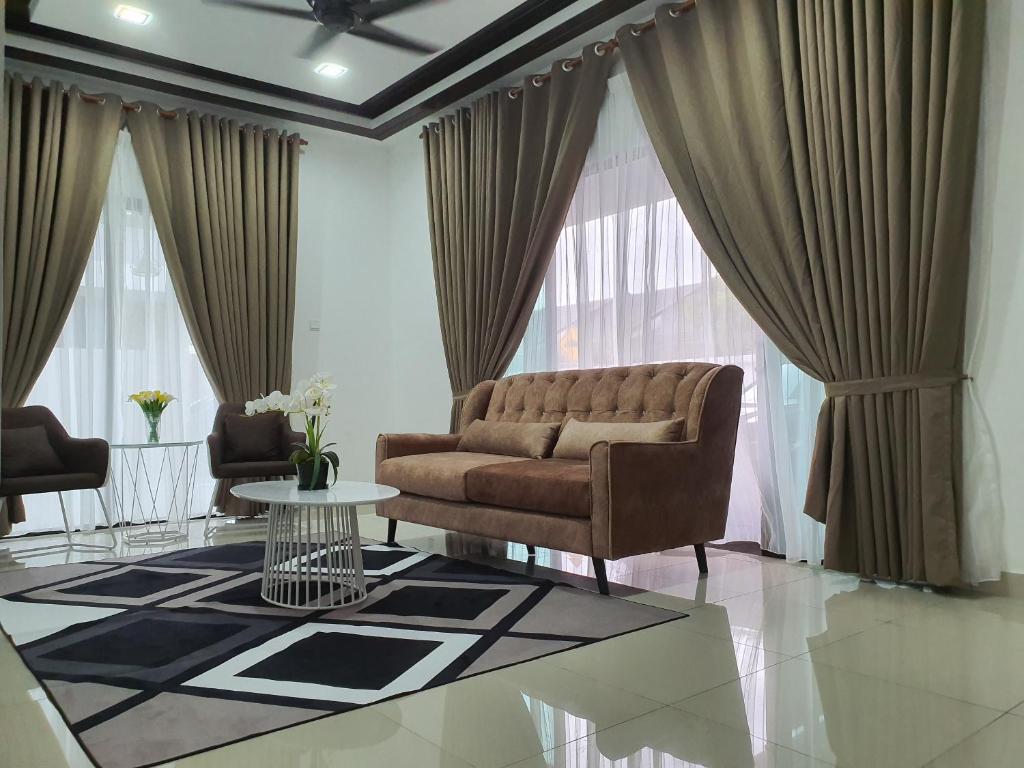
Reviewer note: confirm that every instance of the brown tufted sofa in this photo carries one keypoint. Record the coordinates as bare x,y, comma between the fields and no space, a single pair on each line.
628,499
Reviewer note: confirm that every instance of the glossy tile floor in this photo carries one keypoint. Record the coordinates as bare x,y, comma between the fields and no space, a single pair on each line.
778,665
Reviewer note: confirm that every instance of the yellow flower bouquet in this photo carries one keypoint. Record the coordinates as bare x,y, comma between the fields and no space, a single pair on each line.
153,403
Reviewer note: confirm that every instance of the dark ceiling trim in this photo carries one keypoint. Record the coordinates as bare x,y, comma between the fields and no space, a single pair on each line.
117,76
559,35
520,19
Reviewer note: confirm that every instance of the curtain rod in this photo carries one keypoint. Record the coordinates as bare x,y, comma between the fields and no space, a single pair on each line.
136,107
600,48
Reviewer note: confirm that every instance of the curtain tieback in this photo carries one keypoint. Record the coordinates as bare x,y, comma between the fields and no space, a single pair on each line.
460,396
884,384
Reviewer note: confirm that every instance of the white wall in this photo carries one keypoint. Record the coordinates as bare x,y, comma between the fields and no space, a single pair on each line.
344,283
420,388
365,273
996,309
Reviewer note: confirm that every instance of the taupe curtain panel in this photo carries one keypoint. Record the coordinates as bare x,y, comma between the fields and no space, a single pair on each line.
823,153
57,154
500,178
225,202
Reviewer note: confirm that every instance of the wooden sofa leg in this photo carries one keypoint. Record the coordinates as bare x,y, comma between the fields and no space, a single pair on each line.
531,550
602,576
392,530
702,558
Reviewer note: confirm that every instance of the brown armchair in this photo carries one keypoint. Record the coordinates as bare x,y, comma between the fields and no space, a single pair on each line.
246,448
39,456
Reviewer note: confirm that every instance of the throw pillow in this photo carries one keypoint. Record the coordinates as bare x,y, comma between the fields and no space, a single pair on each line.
577,437
531,440
252,438
26,451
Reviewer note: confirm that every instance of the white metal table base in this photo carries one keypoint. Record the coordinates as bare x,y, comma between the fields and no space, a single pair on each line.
137,492
313,557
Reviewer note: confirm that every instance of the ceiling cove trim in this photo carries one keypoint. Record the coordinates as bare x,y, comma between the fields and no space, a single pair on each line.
559,35
507,27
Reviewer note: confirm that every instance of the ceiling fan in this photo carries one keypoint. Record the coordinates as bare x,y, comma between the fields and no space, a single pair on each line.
338,17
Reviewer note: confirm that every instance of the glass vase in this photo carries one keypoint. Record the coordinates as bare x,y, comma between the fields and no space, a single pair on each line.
153,422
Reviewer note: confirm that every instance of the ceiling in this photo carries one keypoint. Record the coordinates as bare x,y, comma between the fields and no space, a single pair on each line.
250,61
265,47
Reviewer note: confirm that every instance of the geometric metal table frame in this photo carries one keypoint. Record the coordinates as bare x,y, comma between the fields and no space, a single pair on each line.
137,490
313,557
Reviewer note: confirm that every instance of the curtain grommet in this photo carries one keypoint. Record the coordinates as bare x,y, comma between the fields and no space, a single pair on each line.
513,93
538,81
634,30
567,67
599,49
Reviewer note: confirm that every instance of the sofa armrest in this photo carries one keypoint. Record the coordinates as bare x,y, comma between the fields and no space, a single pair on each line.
86,454
393,446
648,497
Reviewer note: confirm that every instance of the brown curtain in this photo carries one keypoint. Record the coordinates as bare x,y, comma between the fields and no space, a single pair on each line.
57,154
225,202
500,177
823,153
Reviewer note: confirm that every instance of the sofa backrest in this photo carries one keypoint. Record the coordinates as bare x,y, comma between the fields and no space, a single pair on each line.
631,393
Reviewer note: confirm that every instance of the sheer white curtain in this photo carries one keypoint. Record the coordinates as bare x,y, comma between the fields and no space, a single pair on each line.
125,333
629,284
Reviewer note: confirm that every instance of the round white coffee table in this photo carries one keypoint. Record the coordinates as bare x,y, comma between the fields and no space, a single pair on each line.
313,559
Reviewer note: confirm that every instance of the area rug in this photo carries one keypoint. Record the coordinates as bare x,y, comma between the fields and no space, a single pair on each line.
154,658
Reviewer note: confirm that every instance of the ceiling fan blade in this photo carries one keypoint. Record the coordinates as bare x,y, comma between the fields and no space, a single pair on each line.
276,10
318,39
381,35
370,11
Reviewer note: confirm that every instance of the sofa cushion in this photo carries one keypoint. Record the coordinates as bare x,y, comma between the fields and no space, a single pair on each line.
578,436
252,438
555,486
506,438
26,452
439,475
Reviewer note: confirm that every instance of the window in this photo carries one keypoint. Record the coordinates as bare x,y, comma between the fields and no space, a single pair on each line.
629,283
125,333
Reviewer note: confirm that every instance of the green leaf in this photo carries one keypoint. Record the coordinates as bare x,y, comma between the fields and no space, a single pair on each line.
300,456
335,461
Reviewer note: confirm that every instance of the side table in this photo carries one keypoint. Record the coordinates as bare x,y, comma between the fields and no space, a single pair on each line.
154,503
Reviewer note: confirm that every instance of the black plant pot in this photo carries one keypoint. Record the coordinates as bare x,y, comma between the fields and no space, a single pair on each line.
305,470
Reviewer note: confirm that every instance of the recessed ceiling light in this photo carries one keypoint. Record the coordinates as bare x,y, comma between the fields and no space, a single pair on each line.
327,69
132,15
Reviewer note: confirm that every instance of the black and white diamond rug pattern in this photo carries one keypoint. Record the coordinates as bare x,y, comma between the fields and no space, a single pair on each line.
154,658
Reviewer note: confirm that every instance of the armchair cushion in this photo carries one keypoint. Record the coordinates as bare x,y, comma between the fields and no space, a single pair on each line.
65,481
252,469
578,436
252,438
26,452
555,486
506,438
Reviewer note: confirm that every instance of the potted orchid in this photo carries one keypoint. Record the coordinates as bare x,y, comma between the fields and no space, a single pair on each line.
312,399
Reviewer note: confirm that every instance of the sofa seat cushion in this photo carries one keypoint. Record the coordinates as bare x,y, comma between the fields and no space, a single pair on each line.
554,486
438,475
